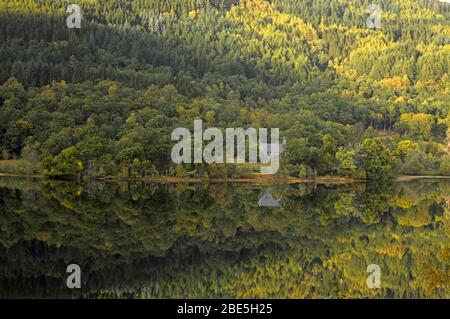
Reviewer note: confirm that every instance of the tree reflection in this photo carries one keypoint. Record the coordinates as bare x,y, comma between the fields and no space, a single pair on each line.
148,240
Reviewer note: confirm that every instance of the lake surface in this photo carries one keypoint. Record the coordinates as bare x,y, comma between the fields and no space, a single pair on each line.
219,240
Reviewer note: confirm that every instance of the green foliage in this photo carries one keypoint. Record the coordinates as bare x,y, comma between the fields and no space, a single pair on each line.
66,163
375,159
444,167
305,172
115,88
347,165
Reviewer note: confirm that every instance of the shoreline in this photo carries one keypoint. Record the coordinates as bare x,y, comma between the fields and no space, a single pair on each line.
257,179
244,180
407,178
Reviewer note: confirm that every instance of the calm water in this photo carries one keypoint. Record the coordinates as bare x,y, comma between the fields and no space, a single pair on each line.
205,241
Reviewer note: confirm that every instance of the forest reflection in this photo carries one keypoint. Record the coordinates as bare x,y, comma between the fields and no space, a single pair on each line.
217,241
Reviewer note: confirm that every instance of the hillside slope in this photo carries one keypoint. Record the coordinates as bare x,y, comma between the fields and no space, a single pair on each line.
103,99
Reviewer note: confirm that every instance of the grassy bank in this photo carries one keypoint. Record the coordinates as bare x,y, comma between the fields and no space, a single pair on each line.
19,168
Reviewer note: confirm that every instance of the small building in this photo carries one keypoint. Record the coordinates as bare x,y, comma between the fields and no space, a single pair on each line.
273,149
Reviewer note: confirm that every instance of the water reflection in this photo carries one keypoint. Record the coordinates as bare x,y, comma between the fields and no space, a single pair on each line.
204,241
266,199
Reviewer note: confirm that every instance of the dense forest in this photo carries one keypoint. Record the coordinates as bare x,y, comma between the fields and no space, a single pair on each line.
102,100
